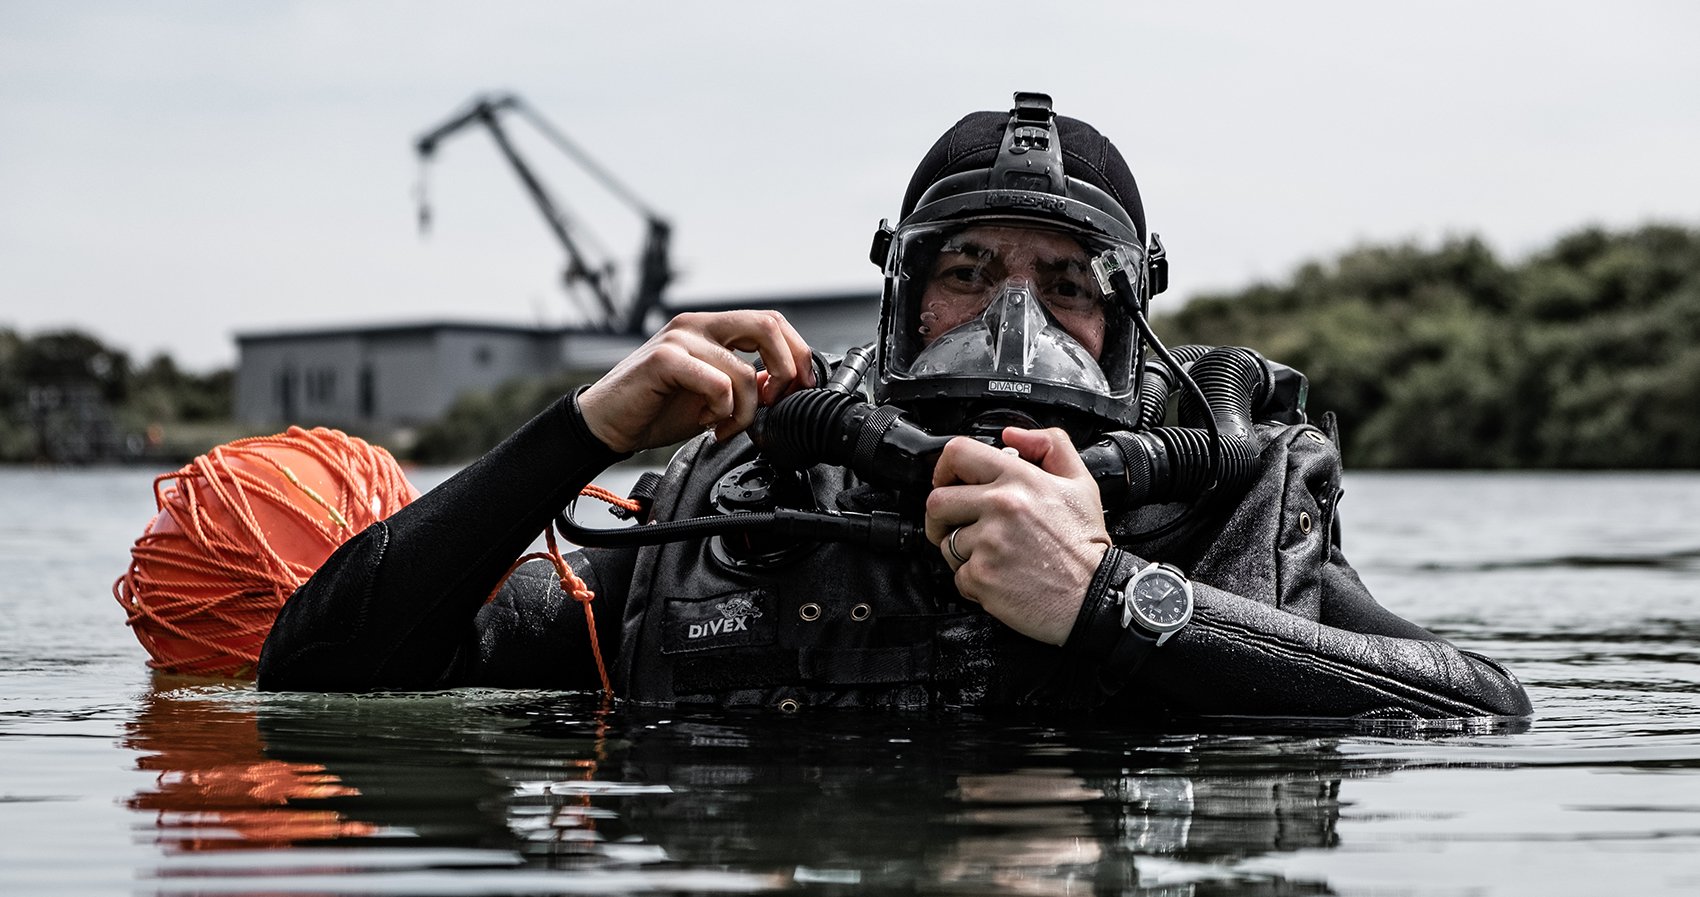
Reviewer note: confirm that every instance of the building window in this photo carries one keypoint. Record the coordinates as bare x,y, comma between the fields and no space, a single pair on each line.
321,386
286,394
368,392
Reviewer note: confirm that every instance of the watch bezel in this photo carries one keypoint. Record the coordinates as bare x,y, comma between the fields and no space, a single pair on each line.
1131,612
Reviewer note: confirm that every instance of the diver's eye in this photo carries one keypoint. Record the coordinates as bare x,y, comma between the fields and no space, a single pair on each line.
963,278
1068,294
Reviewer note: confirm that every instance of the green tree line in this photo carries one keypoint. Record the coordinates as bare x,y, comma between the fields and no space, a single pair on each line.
65,396
1585,355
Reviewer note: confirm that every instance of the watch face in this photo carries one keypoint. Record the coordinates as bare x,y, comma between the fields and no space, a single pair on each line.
1160,600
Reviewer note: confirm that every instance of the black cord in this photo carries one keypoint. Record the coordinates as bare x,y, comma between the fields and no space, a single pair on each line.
1122,282
1197,396
879,530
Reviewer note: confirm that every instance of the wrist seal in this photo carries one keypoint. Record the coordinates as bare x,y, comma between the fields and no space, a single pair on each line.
1115,630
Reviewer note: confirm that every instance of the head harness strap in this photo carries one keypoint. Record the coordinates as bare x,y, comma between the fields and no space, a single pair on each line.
1031,157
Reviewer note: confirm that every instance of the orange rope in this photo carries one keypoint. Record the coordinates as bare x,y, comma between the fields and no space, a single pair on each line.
595,491
573,584
238,530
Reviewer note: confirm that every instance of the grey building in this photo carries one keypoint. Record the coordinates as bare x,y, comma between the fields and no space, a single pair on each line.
396,376
399,375
830,322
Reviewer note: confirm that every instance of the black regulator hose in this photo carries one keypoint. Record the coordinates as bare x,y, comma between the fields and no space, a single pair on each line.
878,442
1166,464
880,530
1159,381
1232,382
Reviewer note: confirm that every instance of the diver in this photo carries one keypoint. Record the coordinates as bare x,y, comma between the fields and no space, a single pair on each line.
1036,534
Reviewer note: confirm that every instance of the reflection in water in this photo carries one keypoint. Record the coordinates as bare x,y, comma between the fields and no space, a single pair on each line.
216,788
550,783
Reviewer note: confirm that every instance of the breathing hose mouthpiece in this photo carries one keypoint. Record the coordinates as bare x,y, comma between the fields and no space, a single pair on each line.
882,446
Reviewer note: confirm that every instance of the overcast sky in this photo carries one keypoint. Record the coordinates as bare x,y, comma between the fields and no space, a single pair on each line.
174,173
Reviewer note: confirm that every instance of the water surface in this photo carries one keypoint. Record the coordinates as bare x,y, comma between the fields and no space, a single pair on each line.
115,781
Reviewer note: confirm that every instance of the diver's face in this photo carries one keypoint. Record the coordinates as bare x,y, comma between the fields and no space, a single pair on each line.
979,263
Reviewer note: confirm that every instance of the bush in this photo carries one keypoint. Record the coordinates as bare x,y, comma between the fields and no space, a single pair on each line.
1581,356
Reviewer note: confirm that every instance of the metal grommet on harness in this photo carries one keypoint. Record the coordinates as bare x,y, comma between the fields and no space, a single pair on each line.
861,612
790,705
809,612
1304,522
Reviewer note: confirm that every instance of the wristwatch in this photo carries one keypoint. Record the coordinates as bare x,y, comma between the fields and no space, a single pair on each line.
1156,602
1117,631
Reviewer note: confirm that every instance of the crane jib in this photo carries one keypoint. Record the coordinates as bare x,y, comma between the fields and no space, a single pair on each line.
582,275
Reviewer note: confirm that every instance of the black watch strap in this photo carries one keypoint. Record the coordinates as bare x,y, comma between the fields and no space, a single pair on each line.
1126,657
1098,641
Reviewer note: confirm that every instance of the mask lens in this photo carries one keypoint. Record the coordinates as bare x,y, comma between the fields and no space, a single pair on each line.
958,288
979,263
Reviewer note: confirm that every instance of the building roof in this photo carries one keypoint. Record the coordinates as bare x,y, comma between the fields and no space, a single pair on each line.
409,328
780,302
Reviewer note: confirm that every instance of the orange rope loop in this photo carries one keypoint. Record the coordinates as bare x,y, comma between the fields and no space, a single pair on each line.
573,584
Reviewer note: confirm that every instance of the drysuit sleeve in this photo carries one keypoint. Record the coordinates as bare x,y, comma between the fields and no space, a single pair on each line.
399,605
1240,657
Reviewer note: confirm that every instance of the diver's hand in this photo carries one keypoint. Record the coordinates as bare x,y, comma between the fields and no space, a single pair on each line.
1030,527
686,379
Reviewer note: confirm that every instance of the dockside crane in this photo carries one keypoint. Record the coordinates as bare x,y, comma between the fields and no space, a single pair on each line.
582,276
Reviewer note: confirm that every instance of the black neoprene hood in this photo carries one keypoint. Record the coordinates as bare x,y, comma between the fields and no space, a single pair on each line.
972,144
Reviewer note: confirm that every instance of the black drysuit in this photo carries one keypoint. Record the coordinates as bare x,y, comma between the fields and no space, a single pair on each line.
1282,627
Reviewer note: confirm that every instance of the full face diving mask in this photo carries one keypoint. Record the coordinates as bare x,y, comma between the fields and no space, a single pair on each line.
997,321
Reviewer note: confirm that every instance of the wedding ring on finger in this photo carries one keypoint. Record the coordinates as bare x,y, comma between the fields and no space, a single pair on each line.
950,545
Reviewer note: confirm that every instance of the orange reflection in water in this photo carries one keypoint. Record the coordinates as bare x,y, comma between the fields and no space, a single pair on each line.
216,789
